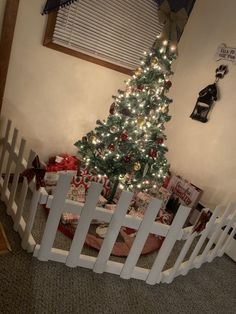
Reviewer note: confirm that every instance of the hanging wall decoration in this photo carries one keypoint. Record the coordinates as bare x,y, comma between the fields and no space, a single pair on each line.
226,53
207,96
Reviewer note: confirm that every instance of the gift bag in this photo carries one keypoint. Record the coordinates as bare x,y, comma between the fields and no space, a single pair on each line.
187,193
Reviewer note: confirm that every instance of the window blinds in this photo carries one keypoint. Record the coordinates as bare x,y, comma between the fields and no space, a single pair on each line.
117,31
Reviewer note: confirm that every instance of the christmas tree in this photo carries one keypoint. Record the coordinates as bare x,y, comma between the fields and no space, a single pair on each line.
129,146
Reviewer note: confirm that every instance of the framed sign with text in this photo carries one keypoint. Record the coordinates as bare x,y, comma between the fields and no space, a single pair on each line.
226,53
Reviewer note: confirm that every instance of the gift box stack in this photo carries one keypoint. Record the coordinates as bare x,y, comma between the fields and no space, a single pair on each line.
79,184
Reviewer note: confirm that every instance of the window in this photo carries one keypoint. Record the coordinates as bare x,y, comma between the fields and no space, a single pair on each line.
112,33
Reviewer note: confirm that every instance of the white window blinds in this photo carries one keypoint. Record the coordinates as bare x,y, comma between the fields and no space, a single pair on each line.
117,31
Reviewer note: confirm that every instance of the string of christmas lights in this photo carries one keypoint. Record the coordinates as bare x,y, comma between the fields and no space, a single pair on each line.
129,146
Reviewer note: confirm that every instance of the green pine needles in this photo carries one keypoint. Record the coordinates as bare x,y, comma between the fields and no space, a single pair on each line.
129,147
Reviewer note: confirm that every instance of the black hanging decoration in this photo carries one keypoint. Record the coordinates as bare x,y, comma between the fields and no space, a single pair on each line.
207,96
54,5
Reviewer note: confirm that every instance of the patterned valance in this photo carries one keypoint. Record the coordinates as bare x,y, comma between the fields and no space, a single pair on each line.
54,5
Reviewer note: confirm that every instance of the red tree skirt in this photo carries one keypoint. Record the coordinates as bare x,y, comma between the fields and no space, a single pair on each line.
123,243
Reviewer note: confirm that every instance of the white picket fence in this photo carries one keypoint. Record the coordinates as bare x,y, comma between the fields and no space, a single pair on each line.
218,240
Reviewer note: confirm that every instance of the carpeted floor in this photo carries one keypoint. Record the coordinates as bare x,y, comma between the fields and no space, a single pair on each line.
30,286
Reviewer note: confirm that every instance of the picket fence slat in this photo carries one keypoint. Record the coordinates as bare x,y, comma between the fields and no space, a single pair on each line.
4,146
140,238
84,223
169,242
9,164
112,232
54,216
17,172
23,193
170,274
30,221
227,242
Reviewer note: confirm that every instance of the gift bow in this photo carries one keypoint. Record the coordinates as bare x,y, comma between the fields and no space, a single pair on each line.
36,171
174,22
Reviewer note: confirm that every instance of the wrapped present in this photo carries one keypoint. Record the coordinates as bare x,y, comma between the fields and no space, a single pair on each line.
58,164
110,206
69,218
104,181
141,201
187,193
63,162
86,178
78,189
76,193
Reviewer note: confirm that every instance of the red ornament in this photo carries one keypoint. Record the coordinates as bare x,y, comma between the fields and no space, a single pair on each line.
152,152
168,84
112,108
111,147
160,141
126,112
140,88
124,137
127,159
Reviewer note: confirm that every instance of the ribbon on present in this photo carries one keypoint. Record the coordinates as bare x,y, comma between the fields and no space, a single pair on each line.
202,221
36,171
173,22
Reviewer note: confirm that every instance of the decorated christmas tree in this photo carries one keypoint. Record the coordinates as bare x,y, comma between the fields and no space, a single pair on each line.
129,146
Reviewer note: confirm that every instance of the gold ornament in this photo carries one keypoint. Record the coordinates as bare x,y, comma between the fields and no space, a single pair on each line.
138,72
137,166
164,109
154,61
93,139
140,121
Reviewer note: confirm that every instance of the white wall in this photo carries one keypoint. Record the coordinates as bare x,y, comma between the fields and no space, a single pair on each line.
53,98
2,9
205,153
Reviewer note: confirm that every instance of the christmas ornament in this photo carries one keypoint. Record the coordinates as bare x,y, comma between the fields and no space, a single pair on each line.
99,122
112,108
93,139
114,129
138,72
126,112
84,139
111,147
159,141
140,88
164,109
168,84
137,166
127,159
124,137
140,121
154,61
152,152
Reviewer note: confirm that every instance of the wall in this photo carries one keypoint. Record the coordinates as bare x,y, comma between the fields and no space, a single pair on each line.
2,9
205,153
53,98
